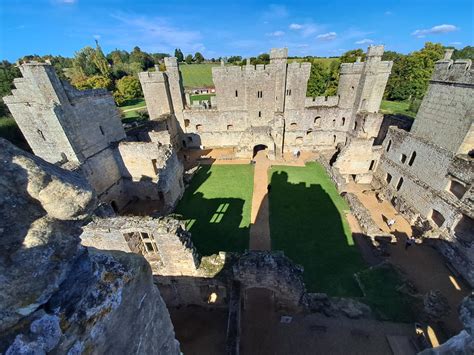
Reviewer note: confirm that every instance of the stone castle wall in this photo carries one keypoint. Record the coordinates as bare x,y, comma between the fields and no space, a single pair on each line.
424,173
448,106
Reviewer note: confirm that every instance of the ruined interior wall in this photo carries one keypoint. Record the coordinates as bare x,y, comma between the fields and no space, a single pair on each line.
94,121
156,92
448,106
151,168
59,297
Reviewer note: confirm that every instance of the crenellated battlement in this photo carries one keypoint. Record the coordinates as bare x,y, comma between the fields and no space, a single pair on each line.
351,68
459,71
326,101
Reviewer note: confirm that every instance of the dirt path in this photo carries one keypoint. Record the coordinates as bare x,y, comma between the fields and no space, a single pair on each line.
259,219
423,265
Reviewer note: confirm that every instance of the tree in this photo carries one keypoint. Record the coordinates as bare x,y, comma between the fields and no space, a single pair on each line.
318,79
198,57
127,88
465,53
143,59
411,73
100,61
351,56
95,82
189,59
179,55
234,59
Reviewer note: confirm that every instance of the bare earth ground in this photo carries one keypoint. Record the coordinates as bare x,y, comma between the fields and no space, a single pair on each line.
423,265
263,333
199,330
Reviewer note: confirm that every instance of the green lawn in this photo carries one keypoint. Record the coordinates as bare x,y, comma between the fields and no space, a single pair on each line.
135,103
382,286
197,75
397,107
216,207
201,97
308,223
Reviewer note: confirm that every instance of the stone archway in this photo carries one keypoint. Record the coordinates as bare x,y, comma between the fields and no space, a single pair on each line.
257,148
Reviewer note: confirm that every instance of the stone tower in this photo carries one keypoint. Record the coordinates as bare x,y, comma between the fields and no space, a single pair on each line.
59,122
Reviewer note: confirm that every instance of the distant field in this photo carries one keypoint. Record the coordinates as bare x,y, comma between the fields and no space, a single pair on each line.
396,107
197,75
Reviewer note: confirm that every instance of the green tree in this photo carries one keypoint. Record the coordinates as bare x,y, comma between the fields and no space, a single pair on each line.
100,61
351,56
198,57
95,82
465,53
411,73
318,80
127,88
179,55
189,59
143,59
234,59
83,63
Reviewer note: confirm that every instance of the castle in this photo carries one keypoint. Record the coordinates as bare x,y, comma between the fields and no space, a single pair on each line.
426,173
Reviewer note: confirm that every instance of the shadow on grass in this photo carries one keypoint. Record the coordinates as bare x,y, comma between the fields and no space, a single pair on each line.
215,223
306,224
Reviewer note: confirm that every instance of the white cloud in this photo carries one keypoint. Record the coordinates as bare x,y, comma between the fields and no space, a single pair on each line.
295,26
65,1
306,29
330,36
435,30
364,41
151,33
456,43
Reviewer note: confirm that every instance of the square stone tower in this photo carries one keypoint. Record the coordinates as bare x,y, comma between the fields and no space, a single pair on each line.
59,122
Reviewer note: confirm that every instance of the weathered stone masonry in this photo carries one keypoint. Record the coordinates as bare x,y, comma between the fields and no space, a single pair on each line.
267,104
81,130
428,173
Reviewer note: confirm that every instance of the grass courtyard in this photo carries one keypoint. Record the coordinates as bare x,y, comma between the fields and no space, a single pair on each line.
307,222
216,207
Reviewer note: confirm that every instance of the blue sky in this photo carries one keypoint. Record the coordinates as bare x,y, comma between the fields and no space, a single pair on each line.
223,28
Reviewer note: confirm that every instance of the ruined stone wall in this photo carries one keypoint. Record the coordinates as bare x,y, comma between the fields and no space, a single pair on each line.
156,92
421,187
57,296
448,106
151,168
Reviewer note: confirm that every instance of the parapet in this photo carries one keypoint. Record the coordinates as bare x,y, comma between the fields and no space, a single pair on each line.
351,68
327,101
460,71
375,51
278,53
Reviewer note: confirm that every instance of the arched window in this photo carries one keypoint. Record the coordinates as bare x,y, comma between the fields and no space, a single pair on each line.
198,127
334,138
412,159
334,122
317,121
259,113
299,140
230,127
389,145
293,125
343,122
355,125
186,123
236,93
309,131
